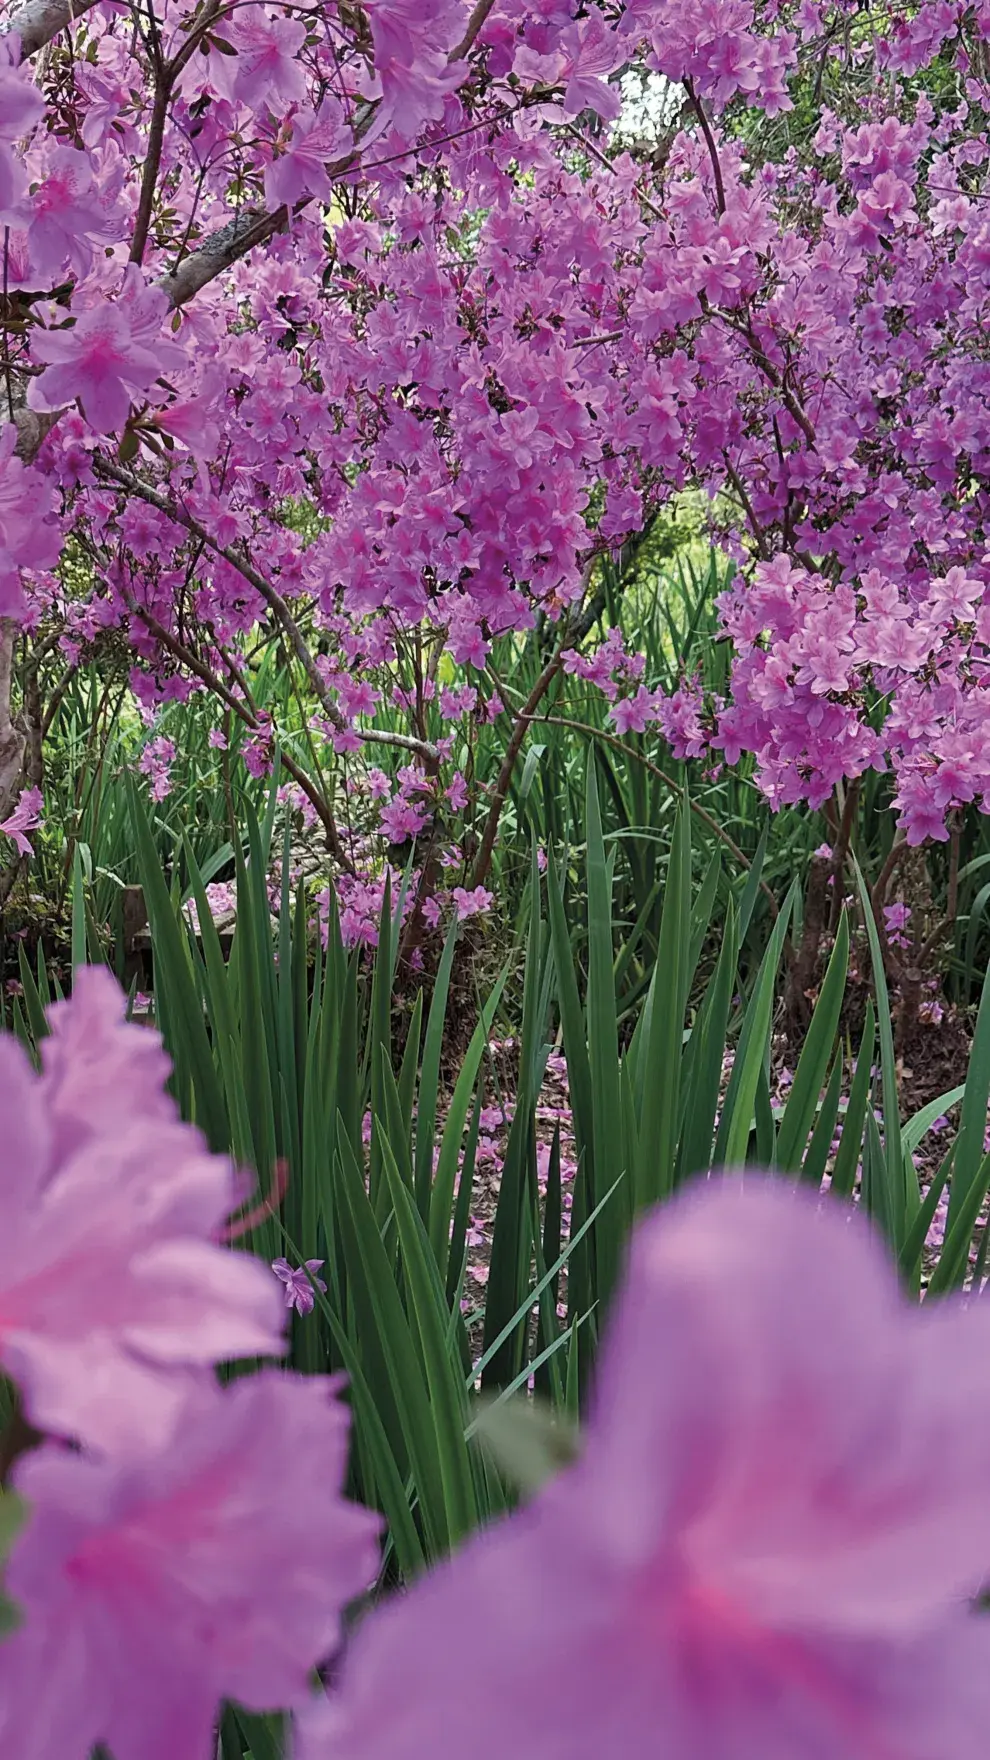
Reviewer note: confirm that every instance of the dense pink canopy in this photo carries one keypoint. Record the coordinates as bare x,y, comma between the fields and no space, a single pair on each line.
482,345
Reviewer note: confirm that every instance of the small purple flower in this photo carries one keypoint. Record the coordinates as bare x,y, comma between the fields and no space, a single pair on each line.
471,904
298,1289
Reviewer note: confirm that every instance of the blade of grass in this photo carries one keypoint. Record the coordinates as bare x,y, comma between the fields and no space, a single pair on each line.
901,1204
969,1154
740,1100
809,1077
662,1050
850,1143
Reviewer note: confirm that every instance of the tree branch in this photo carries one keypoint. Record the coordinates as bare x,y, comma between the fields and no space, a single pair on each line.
39,21
272,597
747,507
706,129
152,165
898,850
221,250
12,740
475,24
199,667
526,714
841,850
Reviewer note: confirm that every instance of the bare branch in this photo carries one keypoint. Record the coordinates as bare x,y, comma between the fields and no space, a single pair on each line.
37,22
272,597
475,24
221,250
12,740
152,166
403,742
706,129
33,427
526,715
740,489
246,712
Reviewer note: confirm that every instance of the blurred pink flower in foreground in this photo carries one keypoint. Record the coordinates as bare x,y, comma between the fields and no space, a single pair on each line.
154,1587
767,1550
111,1284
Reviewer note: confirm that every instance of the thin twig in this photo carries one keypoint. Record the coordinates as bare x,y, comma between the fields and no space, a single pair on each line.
210,678
620,745
588,146
747,507
898,850
475,24
524,717
706,129
272,597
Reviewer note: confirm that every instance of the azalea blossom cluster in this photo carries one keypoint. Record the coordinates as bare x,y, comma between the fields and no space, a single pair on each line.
927,647
773,1540
391,267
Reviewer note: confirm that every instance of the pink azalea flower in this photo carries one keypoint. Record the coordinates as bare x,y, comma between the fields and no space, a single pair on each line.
300,169
110,1280
345,740
634,714
257,754
156,1586
592,51
401,820
298,1289
190,422
473,903
25,817
14,208
357,696
897,915
411,39
155,762
65,215
112,351
266,73
766,1550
